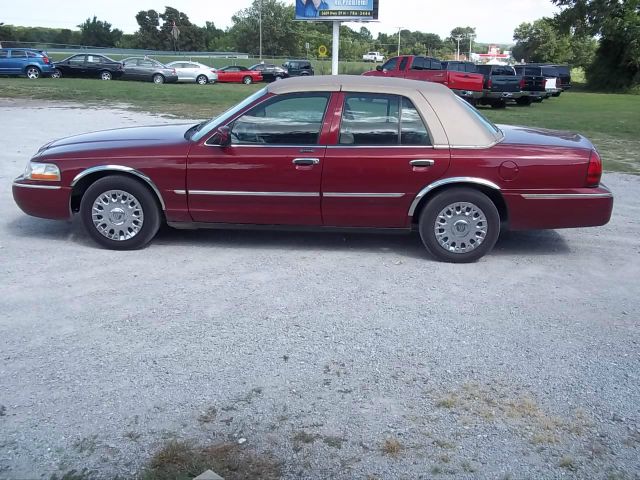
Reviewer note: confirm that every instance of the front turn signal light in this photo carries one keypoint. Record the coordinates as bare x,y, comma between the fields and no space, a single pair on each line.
42,171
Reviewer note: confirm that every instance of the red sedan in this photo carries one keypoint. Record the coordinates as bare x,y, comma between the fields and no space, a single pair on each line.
341,152
238,74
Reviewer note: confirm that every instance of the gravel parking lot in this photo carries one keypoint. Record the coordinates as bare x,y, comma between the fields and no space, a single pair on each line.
341,356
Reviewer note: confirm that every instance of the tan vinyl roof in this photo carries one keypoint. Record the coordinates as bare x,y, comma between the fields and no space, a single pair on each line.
450,121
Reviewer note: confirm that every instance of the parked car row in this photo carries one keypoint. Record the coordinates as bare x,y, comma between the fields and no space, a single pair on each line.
493,85
36,63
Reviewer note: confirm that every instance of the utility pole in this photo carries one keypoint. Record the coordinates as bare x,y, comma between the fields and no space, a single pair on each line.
335,48
458,38
260,29
471,37
399,30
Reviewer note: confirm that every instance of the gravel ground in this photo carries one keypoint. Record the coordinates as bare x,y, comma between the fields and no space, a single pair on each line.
344,356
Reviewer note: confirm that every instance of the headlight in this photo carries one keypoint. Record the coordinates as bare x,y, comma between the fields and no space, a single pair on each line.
42,171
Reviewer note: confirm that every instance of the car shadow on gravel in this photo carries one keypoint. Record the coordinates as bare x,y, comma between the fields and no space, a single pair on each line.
536,242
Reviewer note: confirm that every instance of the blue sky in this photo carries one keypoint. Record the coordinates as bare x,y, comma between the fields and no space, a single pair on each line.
494,20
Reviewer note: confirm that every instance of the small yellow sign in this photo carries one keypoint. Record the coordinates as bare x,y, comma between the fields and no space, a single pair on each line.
322,51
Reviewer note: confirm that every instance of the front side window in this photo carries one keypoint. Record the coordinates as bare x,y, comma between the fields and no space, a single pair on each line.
285,120
77,60
391,64
4,54
18,54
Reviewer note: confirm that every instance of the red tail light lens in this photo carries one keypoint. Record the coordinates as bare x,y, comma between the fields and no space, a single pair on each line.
489,83
522,84
45,60
594,170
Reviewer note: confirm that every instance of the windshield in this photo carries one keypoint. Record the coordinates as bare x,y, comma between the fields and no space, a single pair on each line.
207,127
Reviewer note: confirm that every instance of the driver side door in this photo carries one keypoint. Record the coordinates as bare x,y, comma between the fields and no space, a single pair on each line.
271,172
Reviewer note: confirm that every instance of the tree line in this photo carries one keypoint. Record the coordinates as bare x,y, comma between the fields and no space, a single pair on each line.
601,36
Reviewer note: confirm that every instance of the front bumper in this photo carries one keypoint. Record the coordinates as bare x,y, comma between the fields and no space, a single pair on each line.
42,199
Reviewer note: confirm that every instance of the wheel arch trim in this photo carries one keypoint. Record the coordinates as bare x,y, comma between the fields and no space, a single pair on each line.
121,169
448,181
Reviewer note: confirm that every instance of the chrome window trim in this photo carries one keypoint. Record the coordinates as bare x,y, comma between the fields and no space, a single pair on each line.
447,181
42,187
120,168
430,147
253,194
361,195
563,196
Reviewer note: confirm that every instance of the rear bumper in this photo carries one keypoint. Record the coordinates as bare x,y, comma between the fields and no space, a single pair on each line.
533,94
544,209
502,95
468,94
42,200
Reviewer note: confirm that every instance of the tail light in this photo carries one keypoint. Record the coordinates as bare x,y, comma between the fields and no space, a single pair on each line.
45,60
489,84
173,70
594,170
522,83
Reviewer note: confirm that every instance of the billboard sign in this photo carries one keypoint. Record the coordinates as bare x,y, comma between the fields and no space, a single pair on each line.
343,10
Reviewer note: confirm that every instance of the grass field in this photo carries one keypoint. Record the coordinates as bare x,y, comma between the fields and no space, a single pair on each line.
611,121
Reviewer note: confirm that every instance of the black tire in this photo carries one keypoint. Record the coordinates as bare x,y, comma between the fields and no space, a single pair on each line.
32,72
106,75
158,79
448,198
202,80
524,101
247,80
499,104
557,94
144,204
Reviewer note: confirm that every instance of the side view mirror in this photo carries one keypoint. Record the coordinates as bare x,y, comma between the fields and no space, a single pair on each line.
224,136
379,68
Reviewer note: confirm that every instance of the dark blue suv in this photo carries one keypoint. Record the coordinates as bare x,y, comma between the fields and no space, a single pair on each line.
25,61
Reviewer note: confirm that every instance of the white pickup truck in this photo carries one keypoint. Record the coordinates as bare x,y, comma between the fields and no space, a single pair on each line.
373,57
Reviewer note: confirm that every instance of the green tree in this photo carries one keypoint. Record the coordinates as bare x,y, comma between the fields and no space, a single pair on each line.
541,41
98,33
616,64
148,34
191,37
280,32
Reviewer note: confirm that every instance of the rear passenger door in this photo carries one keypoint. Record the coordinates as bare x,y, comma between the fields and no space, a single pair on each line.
17,61
4,61
382,158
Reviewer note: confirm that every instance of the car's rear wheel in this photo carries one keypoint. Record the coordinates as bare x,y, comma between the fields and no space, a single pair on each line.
105,75
524,101
57,73
499,104
247,80
202,80
33,73
120,213
158,79
459,225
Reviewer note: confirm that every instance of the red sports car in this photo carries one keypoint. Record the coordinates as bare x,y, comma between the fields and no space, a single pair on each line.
239,75
341,152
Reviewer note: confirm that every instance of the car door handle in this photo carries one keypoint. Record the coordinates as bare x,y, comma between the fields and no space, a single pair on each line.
422,163
306,161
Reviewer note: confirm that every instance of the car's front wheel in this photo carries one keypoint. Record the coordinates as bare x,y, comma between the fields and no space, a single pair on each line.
33,73
57,73
247,80
202,80
120,213
106,75
459,225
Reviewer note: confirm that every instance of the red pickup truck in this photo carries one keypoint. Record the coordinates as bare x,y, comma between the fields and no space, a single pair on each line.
416,67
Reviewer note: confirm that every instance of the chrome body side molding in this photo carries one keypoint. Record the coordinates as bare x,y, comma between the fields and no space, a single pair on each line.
120,168
31,185
564,196
361,195
253,194
448,181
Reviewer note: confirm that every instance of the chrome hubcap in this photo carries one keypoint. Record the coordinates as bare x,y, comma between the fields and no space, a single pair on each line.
460,227
106,76
32,73
117,215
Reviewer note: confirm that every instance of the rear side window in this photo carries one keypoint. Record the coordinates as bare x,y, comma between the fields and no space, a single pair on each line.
418,63
32,55
470,68
435,65
283,120
379,119
18,54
